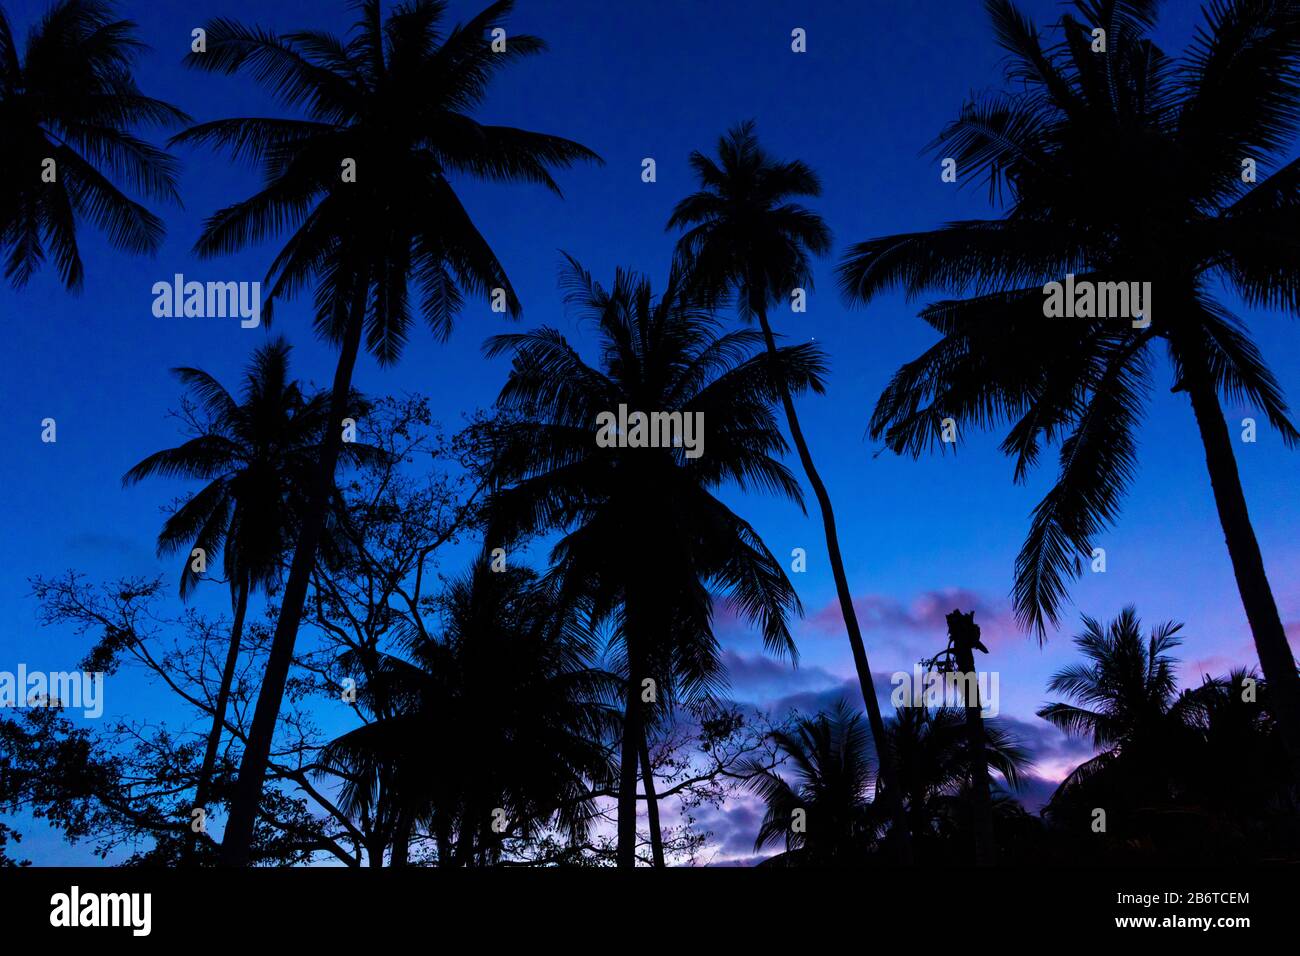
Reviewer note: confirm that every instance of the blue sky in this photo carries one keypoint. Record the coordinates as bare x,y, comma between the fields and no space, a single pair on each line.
634,81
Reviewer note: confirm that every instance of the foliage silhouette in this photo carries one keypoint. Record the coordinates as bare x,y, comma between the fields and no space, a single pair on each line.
746,233
1120,166
395,97
257,457
501,714
70,96
645,541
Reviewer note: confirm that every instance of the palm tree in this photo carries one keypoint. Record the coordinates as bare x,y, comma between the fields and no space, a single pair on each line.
500,714
1121,166
823,814
1126,702
831,778
933,751
364,184
71,100
746,234
959,657
646,543
1195,774
1240,751
256,456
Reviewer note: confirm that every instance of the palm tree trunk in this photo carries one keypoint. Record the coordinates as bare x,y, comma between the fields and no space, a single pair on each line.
219,713
986,847
1274,652
626,855
652,803
442,837
402,839
238,838
898,833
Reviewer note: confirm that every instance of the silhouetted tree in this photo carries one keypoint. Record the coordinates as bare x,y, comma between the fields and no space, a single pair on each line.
823,814
1209,755
494,728
1237,769
363,183
746,234
829,774
645,538
70,99
1127,703
7,834
395,514
257,456
959,658
932,748
1120,166
128,784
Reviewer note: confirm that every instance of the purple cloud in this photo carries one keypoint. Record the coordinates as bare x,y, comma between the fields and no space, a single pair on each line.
756,678
733,828
922,622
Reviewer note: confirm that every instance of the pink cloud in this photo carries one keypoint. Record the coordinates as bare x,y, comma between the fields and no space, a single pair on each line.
1214,665
1241,654
760,677
923,620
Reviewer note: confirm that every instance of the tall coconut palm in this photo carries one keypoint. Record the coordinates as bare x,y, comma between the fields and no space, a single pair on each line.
363,183
745,233
257,456
959,657
69,108
646,542
500,711
1117,166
